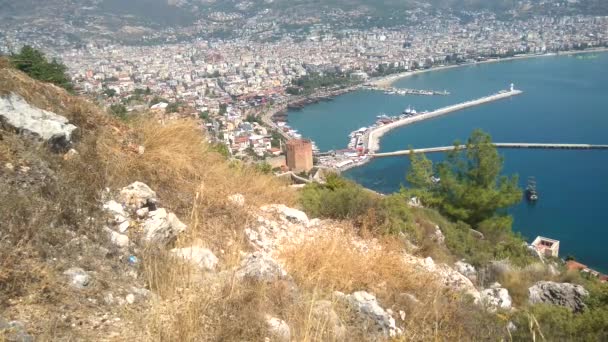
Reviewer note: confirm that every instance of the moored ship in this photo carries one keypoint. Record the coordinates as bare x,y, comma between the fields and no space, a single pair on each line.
531,192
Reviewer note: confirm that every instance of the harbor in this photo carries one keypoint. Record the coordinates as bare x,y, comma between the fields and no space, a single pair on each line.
364,142
405,91
374,134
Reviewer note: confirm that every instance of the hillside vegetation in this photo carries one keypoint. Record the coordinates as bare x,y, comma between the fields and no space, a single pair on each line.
360,272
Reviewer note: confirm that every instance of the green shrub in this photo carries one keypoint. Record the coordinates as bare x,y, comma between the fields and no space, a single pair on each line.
341,199
558,323
497,244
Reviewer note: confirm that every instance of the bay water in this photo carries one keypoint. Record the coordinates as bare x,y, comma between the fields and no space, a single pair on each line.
565,100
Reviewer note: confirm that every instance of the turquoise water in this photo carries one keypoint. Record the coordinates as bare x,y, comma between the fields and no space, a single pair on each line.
565,100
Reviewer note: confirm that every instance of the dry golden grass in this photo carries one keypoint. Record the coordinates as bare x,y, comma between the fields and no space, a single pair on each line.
335,264
177,161
332,263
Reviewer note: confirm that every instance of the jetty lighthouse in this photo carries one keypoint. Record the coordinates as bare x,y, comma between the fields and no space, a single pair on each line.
512,87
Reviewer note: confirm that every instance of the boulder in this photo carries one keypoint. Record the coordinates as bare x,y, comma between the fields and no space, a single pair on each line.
563,294
496,297
259,266
278,329
162,227
368,308
54,129
138,195
198,256
79,279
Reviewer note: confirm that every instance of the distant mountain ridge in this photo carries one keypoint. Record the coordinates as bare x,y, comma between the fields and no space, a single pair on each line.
184,12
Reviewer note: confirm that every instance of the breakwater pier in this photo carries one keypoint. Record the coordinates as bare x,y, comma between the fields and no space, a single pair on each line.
407,91
374,134
497,145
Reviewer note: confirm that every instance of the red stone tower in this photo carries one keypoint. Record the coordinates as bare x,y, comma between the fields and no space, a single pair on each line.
299,155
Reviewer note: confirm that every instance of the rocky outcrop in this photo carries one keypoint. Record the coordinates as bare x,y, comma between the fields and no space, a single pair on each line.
496,297
444,274
563,294
19,115
260,267
198,256
137,207
368,308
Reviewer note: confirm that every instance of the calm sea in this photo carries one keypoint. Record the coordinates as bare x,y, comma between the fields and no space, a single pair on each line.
565,100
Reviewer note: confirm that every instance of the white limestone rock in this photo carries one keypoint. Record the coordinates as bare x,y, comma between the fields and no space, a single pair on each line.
466,270
367,306
198,256
496,297
162,227
137,195
446,275
79,279
48,126
118,239
142,212
259,266
291,214
438,236
124,226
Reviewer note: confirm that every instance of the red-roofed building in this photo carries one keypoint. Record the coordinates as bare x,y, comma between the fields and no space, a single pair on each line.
572,265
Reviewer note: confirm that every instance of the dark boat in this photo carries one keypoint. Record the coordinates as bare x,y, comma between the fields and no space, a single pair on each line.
531,193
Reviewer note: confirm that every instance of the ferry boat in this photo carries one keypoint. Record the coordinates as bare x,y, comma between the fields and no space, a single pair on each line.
531,193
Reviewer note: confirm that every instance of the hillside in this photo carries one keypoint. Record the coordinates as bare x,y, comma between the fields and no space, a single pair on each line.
138,230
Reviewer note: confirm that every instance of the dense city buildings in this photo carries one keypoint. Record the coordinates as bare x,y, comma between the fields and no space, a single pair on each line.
236,84
299,155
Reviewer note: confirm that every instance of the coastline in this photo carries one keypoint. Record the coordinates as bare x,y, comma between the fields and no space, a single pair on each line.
389,80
